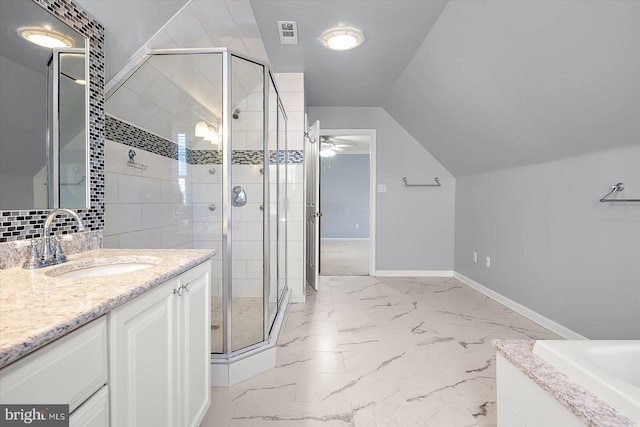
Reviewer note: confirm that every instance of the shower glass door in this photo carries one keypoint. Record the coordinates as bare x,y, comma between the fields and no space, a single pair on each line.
271,290
248,179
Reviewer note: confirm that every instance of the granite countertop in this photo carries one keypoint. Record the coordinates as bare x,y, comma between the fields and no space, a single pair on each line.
36,309
589,408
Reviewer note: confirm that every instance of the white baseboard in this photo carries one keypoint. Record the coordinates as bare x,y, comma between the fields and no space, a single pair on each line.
413,273
534,316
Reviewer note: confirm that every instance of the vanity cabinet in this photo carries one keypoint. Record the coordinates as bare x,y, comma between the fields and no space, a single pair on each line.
68,371
159,354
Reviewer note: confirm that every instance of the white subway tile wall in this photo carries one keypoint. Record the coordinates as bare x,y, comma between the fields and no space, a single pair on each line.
146,208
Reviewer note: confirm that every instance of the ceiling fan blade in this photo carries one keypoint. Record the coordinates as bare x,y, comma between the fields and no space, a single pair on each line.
354,139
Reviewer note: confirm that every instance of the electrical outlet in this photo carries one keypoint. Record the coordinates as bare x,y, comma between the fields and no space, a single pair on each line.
488,262
357,226
475,257
382,188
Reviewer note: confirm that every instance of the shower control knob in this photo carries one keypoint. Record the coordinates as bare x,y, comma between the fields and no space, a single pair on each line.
239,196
212,207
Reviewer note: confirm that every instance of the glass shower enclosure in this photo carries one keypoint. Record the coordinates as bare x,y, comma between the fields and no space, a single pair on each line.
218,114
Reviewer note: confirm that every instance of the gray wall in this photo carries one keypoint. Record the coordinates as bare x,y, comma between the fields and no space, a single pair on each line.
344,196
415,226
554,247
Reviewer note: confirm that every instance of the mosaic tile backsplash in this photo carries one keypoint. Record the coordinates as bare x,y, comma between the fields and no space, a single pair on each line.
21,224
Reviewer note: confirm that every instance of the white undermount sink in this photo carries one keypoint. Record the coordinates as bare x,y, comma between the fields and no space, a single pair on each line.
102,267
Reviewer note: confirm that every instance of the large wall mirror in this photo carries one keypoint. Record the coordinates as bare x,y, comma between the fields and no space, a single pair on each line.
44,144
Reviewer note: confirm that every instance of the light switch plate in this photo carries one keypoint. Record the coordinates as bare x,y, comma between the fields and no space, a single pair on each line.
382,188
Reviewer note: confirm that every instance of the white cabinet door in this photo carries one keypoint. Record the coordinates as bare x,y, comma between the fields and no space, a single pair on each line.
94,412
195,336
143,366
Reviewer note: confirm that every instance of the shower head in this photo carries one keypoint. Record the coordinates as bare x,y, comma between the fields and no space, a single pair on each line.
236,113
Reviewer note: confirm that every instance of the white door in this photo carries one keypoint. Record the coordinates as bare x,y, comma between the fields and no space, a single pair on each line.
312,216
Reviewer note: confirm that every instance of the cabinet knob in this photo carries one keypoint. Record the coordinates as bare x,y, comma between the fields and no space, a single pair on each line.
186,287
178,291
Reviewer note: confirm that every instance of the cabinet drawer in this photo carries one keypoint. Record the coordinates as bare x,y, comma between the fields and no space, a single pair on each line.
67,371
94,412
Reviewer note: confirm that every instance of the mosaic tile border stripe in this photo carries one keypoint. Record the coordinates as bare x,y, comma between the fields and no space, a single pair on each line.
124,133
27,224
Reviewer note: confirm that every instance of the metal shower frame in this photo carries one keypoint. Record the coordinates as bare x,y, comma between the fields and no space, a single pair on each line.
227,230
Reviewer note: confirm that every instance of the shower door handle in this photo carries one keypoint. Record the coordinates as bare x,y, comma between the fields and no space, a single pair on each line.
239,196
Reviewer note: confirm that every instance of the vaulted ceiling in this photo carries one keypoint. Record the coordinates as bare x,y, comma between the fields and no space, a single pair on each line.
499,84
481,84
359,78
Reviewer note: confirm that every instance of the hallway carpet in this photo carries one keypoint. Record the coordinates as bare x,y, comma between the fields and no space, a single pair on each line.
367,351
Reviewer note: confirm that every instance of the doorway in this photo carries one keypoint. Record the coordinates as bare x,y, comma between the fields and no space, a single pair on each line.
346,180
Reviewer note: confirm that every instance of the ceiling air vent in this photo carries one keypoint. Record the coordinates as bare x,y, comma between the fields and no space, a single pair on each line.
288,31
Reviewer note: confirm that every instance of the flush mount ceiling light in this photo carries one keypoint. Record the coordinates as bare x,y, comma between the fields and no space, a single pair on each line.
342,38
45,38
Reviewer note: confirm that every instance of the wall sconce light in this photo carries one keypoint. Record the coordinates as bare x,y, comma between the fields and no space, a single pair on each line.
208,133
201,129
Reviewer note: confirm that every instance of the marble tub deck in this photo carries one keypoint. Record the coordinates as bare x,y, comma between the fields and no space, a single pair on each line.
367,351
591,410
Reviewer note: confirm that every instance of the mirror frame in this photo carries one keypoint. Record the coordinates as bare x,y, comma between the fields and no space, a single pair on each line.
27,224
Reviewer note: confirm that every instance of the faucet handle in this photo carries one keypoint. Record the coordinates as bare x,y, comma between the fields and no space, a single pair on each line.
33,258
58,253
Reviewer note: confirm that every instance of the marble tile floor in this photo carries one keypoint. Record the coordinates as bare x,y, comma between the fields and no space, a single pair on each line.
344,257
367,351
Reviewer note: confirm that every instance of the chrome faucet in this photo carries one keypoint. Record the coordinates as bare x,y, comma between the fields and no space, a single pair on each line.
49,255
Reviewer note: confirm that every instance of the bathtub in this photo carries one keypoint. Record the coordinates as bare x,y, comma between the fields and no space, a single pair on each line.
609,369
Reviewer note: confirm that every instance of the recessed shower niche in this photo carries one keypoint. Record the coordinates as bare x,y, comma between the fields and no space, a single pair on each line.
209,171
